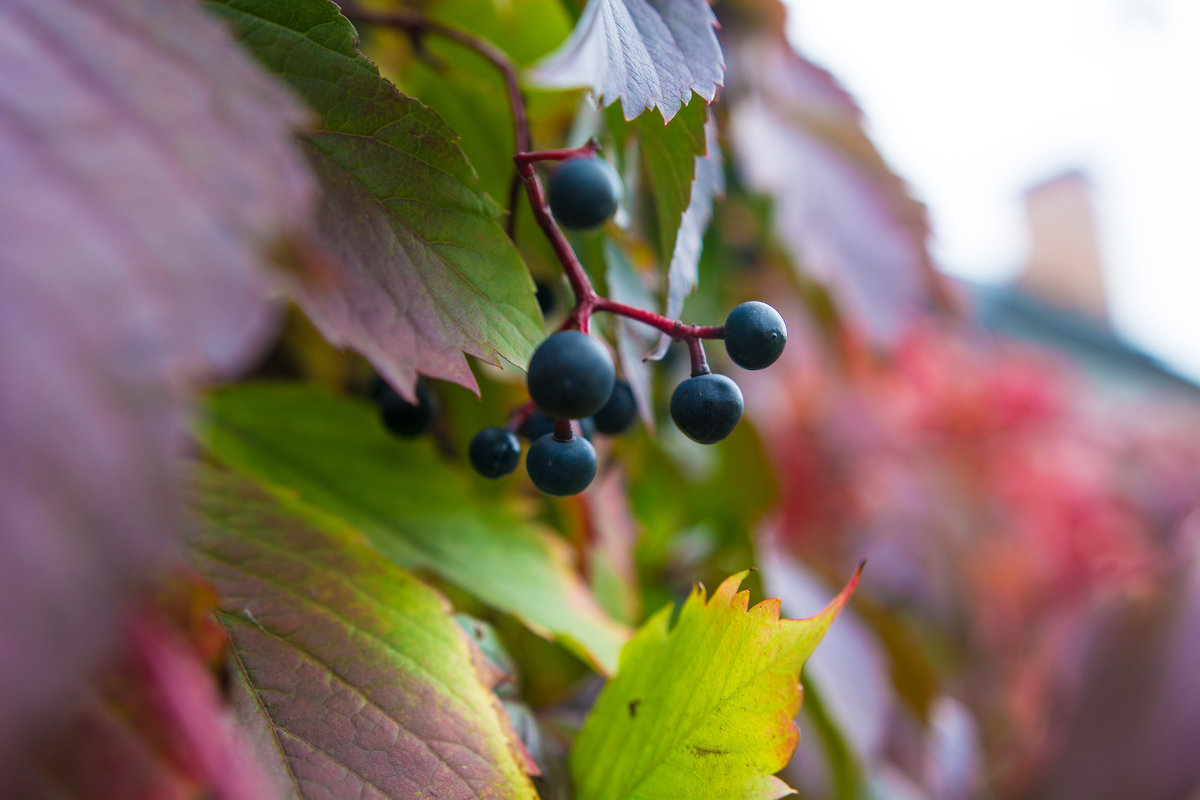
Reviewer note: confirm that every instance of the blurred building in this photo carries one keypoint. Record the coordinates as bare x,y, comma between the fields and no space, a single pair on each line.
1059,299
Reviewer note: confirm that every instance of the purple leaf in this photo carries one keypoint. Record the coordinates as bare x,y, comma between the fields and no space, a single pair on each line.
147,168
352,674
648,53
423,272
847,219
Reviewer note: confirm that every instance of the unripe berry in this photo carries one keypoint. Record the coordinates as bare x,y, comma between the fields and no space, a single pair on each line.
561,467
584,192
494,452
570,375
707,407
754,335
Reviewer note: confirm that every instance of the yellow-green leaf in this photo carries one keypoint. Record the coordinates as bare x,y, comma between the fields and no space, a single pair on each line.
703,709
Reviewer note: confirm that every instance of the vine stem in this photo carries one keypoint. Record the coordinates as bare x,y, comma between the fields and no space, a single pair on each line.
587,301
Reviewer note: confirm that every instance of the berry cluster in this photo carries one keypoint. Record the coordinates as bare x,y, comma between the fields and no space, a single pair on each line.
573,388
571,377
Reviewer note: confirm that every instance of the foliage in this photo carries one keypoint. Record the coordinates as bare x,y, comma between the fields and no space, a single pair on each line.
224,578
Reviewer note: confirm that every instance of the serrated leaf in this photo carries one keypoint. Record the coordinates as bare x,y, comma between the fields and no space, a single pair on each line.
148,168
331,456
684,271
648,53
354,673
846,217
702,709
424,272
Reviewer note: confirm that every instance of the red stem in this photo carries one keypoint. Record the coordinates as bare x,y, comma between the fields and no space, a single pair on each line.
699,360
562,154
671,327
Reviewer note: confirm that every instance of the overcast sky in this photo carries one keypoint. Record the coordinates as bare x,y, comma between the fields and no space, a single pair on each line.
973,102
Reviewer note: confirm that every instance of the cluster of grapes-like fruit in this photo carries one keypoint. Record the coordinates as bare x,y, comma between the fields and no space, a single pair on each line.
572,383
573,388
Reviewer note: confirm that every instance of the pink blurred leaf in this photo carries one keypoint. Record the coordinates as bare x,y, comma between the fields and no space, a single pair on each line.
153,725
846,217
647,53
352,674
148,167
423,270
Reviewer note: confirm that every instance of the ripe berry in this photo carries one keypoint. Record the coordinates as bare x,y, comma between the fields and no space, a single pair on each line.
584,192
706,407
402,417
561,467
619,412
537,425
494,452
570,375
754,335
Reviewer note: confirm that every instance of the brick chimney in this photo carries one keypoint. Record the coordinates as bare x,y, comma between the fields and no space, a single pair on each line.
1064,266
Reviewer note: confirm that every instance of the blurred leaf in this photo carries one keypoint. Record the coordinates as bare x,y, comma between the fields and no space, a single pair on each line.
845,216
702,709
648,53
353,672
525,30
152,725
684,271
145,182
330,456
425,272
633,338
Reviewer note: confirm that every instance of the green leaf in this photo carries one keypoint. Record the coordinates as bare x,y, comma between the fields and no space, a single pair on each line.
669,155
330,456
703,709
354,674
424,272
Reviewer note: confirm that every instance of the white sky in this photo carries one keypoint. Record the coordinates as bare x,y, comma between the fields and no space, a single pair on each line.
973,102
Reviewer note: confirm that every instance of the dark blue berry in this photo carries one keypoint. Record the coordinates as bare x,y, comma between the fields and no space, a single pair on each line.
619,412
561,467
584,192
546,298
706,407
570,375
754,335
494,452
401,417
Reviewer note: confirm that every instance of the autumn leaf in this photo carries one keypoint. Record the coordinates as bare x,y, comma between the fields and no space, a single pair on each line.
424,272
353,674
647,53
151,724
331,456
148,171
702,709
847,219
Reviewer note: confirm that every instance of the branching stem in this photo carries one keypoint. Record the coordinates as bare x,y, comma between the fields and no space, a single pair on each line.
587,301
